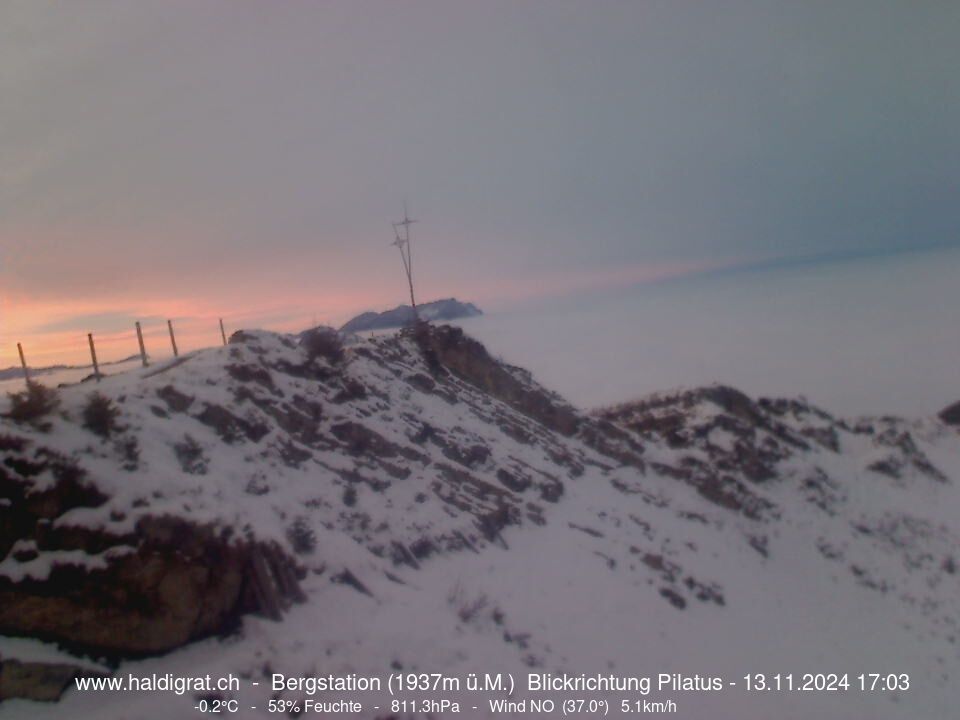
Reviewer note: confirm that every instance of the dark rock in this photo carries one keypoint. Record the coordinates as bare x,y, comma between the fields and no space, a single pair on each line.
181,582
348,578
512,481
674,598
951,414
175,400
230,427
470,361
360,440
251,373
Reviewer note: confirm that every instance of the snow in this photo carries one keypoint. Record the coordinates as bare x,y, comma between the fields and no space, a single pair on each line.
39,568
580,594
35,651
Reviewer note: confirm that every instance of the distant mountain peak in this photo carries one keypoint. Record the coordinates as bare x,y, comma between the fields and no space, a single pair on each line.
445,309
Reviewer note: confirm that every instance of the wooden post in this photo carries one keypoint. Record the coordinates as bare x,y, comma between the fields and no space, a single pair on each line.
93,356
223,334
173,340
143,350
23,363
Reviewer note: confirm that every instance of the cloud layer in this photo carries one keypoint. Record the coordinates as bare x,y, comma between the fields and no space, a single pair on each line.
241,157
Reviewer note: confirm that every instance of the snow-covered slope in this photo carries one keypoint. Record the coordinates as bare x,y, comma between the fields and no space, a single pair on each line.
423,506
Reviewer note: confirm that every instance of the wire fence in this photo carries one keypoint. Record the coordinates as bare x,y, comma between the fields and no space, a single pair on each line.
141,346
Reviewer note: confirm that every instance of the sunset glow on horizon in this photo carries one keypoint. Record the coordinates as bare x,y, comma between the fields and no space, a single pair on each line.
56,332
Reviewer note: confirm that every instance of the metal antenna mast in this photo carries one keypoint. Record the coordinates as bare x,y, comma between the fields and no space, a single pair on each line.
402,241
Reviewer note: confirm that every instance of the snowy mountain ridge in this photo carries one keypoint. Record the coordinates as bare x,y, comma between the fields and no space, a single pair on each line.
472,518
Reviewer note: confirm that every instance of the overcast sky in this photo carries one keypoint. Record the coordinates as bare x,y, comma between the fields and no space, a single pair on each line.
194,159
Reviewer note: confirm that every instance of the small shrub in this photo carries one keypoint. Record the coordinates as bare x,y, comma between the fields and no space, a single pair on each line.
467,609
350,496
190,454
301,536
323,342
32,404
129,450
100,415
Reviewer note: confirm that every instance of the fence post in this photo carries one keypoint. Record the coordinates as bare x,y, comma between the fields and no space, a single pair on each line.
143,350
222,333
173,340
23,364
93,356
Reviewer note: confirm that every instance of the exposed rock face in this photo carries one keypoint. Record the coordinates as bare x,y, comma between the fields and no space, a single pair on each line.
167,582
740,443
469,360
951,415
731,442
178,583
451,349
31,504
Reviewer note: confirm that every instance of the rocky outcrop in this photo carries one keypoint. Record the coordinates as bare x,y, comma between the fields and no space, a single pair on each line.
116,593
469,360
178,583
951,415
727,444
449,348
